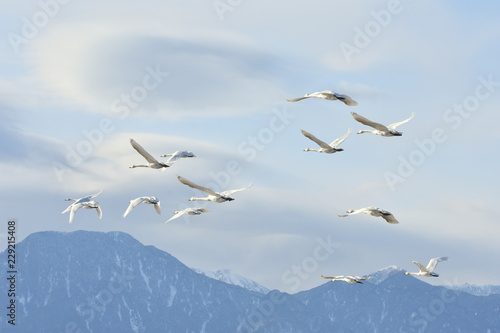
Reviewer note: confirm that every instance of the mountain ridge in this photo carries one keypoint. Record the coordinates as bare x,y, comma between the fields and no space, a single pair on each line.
100,282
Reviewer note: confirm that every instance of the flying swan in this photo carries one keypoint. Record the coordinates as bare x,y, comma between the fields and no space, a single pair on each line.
177,155
87,205
325,147
212,195
346,278
379,129
328,95
78,203
429,270
373,211
146,200
189,211
152,162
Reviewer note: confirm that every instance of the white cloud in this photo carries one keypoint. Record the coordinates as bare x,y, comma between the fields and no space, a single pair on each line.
208,73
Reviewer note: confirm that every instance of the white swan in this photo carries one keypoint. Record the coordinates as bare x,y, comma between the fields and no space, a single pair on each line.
177,155
146,200
328,95
78,201
346,278
189,211
152,162
325,147
373,211
87,205
429,270
212,195
379,129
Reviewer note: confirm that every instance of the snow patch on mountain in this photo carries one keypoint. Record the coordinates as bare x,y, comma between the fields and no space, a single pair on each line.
472,289
385,273
230,277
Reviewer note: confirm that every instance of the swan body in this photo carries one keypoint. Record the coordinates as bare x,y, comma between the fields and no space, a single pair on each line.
212,195
429,269
87,205
373,211
177,155
152,162
346,278
328,95
146,200
379,129
189,211
325,147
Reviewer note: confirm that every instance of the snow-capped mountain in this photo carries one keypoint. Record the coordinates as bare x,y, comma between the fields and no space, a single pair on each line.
476,290
228,276
395,302
109,282
383,274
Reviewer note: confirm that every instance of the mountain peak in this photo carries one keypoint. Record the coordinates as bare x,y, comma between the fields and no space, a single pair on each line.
385,273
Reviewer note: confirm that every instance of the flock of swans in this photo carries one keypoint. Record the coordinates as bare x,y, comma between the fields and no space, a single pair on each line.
87,202
219,197
378,129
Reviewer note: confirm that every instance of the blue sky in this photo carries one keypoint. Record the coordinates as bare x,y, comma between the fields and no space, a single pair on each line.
81,78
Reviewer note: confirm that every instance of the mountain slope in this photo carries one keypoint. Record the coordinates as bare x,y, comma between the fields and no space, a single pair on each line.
103,282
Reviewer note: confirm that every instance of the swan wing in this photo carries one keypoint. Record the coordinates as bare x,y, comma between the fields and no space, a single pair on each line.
157,207
420,266
177,215
67,209
73,210
297,99
363,278
99,211
329,277
311,137
346,99
173,157
394,125
351,279
389,217
94,195
338,141
368,122
196,186
229,192
325,94
433,263
132,205
355,211
143,152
